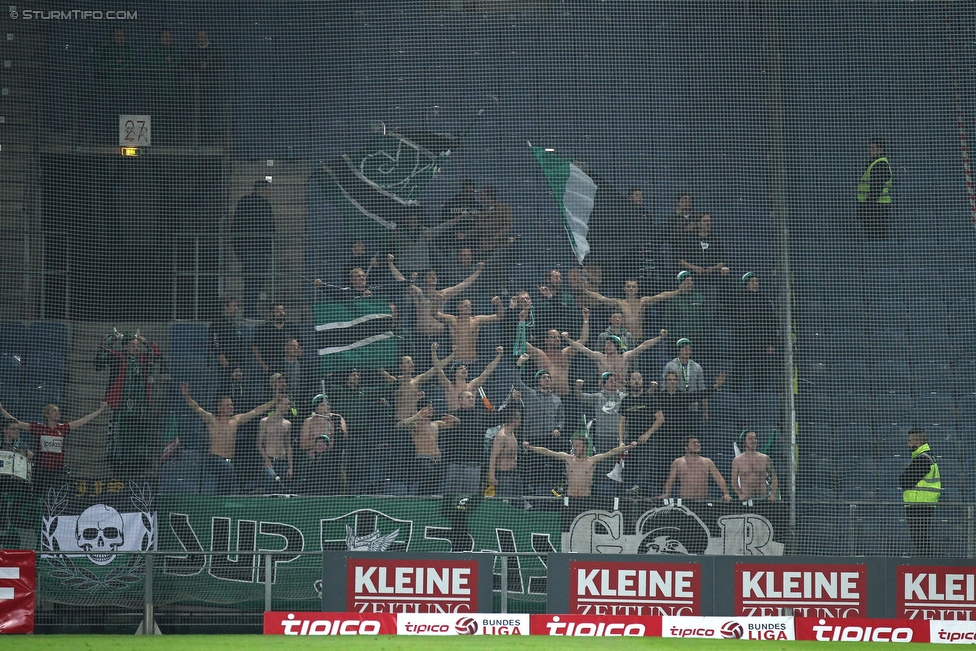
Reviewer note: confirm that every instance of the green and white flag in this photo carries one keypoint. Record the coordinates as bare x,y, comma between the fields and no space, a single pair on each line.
574,191
355,334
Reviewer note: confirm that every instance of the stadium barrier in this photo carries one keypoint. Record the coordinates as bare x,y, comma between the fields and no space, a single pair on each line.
714,627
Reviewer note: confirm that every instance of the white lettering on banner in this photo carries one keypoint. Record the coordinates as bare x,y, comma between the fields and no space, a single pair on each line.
10,573
595,628
293,626
949,632
809,590
635,583
747,628
634,588
411,581
944,593
408,586
473,624
846,633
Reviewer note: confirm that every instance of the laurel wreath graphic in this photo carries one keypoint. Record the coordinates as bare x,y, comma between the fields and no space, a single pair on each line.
80,578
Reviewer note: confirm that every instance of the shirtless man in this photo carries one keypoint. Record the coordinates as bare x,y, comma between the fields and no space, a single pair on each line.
425,432
408,392
556,359
274,441
749,472
502,465
579,467
430,300
452,391
464,327
632,306
223,438
693,471
321,421
612,359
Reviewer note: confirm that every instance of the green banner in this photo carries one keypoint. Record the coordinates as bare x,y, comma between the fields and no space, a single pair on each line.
193,526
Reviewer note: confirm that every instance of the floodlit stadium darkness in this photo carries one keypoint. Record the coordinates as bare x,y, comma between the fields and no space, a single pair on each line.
428,259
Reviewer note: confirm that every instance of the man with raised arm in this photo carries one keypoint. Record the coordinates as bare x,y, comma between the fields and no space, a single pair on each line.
274,442
640,418
614,359
424,432
408,387
464,328
579,467
50,469
430,300
750,470
452,391
556,358
632,306
692,471
544,421
221,476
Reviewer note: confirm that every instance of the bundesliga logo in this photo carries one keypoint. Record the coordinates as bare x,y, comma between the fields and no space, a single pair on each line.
732,630
466,626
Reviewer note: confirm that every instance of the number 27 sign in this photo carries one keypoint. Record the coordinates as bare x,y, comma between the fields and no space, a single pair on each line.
135,131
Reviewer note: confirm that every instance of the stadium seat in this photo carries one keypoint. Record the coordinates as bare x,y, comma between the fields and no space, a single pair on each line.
13,348
45,367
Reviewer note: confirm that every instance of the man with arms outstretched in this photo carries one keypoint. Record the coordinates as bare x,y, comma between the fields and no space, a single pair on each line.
221,477
579,467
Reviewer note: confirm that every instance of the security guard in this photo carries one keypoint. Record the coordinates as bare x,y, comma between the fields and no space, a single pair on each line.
874,193
922,486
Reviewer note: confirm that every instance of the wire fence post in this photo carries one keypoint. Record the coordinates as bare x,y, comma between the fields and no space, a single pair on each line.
267,583
504,586
148,619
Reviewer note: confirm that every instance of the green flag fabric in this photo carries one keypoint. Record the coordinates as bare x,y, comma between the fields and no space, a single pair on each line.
574,191
355,334
378,186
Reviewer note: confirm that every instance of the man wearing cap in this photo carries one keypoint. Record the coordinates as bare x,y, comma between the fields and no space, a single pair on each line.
922,486
603,407
544,418
691,377
556,358
688,314
755,332
320,467
322,421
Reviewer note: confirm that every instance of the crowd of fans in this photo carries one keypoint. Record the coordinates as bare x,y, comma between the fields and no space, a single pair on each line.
497,386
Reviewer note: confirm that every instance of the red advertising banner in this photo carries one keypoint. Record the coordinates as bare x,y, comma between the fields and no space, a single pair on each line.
859,629
810,590
411,586
628,588
18,581
285,623
936,592
595,625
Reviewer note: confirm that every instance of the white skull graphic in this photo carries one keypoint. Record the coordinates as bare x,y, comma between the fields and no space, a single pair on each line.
100,529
